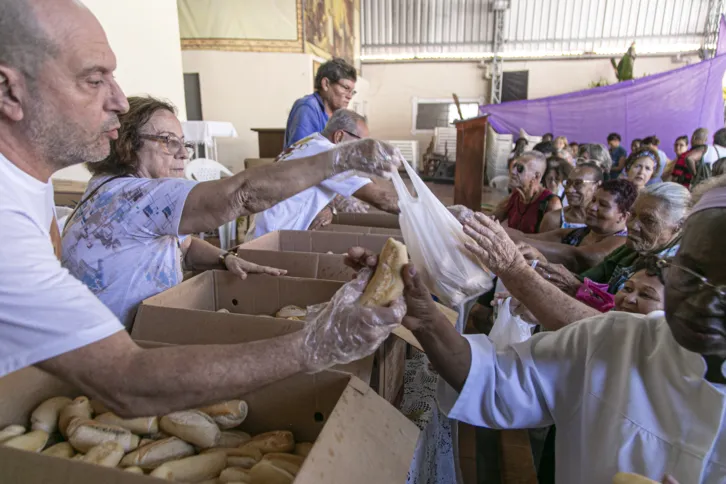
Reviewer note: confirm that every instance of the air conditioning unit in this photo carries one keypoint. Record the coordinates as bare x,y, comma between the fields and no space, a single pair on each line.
409,150
445,142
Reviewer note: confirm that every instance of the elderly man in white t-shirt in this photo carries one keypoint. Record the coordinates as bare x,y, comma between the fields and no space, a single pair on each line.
59,106
310,209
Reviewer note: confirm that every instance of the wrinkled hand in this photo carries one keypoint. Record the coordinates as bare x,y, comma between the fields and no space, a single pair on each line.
492,245
530,253
367,155
241,268
359,258
558,275
342,330
349,205
461,213
322,219
421,309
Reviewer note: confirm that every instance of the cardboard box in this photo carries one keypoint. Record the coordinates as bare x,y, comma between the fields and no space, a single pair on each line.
67,193
254,297
383,220
360,229
318,242
300,264
359,438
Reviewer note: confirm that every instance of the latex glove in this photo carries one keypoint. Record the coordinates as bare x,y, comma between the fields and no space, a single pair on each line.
560,276
322,219
241,268
349,205
461,213
342,330
367,155
492,245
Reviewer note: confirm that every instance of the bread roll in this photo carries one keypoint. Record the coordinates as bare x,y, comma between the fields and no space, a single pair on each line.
78,408
193,426
268,473
386,285
227,414
134,470
98,407
107,454
192,469
85,434
139,426
11,431
45,416
628,478
277,441
156,453
145,441
233,438
61,449
244,456
33,441
292,312
302,449
290,462
234,474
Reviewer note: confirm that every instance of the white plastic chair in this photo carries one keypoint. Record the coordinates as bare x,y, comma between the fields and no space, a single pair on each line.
500,182
203,169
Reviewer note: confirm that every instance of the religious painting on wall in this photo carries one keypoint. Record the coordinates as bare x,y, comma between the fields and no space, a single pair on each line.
330,28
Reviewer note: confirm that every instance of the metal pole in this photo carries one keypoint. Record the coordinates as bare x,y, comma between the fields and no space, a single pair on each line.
710,34
497,60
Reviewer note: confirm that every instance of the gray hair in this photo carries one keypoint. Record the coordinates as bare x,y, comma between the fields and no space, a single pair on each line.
700,136
708,185
24,44
343,120
597,153
674,195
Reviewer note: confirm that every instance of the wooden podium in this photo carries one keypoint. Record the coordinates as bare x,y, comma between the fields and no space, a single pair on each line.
271,141
470,162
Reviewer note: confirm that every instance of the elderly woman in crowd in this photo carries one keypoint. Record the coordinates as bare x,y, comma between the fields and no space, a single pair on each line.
529,201
597,154
558,170
580,187
126,241
641,165
618,386
644,292
583,248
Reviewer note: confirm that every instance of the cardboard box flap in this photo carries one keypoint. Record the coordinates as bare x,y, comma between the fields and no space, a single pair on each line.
298,264
194,293
360,229
349,447
319,242
385,220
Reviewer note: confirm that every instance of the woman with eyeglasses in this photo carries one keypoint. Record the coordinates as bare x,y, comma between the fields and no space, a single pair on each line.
529,201
580,187
128,238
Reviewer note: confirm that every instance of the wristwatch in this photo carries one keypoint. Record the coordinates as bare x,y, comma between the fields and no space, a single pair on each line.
223,256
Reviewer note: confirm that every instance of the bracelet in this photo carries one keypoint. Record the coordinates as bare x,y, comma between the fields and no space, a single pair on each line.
223,256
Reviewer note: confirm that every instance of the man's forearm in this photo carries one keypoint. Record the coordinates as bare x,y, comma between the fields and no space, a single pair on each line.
140,382
553,308
383,197
202,256
447,350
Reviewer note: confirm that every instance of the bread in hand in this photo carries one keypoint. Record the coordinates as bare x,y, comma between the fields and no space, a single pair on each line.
386,285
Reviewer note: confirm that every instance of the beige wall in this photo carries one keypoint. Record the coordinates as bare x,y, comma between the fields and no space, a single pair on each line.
145,38
394,86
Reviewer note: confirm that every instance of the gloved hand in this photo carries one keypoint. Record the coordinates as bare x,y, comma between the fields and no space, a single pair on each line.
368,156
349,205
342,330
461,213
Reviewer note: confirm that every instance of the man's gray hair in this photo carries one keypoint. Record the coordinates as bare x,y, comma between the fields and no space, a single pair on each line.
700,136
343,120
597,153
674,195
24,45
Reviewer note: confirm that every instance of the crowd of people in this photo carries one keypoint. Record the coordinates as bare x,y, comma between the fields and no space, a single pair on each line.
615,256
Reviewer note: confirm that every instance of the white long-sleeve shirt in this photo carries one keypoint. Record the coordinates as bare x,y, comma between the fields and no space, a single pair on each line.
623,395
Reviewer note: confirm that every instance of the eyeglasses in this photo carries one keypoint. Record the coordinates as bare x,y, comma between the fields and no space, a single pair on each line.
703,283
350,134
350,90
518,167
172,145
576,184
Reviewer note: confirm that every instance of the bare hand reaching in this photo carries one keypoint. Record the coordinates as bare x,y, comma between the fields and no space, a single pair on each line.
241,268
492,245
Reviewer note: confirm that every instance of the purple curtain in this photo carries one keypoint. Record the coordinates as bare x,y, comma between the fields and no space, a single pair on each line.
667,105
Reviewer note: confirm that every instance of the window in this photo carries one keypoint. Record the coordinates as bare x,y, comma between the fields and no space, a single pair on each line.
437,113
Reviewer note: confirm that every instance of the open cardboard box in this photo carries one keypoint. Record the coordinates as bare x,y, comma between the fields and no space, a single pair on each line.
67,193
316,242
301,264
360,229
383,220
256,297
358,437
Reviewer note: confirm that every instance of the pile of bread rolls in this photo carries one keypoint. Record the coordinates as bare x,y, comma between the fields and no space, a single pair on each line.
189,446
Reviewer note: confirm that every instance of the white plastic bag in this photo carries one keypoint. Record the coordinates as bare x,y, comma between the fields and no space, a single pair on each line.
435,242
509,329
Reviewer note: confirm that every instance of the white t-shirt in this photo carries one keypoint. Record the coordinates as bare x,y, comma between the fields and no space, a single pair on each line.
299,211
124,242
713,154
44,311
